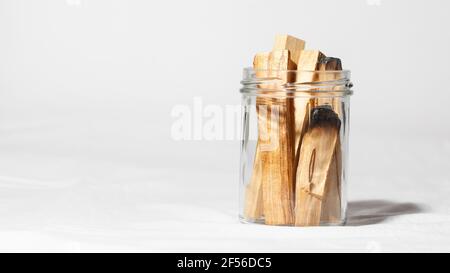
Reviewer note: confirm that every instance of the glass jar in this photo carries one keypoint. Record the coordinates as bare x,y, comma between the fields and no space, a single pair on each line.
294,149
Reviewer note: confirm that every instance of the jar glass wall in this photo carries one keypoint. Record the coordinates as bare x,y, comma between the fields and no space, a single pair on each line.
294,152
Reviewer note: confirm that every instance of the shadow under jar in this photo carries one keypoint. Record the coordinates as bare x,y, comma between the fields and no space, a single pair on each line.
294,147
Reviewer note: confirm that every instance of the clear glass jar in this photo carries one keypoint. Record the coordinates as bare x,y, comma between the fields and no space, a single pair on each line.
294,149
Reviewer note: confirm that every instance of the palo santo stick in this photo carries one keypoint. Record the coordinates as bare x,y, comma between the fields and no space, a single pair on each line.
308,61
316,154
329,64
267,65
331,206
300,58
278,152
331,203
275,146
253,199
294,45
253,209
279,63
278,190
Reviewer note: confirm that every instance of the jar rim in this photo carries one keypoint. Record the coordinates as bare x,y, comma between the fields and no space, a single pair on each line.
301,70
333,83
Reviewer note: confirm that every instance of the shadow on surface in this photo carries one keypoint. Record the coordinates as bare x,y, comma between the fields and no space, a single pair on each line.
370,212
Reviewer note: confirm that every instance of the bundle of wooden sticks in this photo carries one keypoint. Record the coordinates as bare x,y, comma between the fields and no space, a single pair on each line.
296,178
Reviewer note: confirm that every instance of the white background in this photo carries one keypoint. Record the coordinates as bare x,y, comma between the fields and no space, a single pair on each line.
87,161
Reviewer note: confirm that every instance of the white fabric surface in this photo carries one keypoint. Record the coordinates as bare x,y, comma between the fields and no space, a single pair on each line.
107,189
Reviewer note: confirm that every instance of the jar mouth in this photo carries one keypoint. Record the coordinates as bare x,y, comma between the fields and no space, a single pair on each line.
296,83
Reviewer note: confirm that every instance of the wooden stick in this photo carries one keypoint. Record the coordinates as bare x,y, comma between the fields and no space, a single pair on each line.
294,45
308,62
278,151
278,178
272,65
271,188
275,146
329,64
314,60
253,209
331,206
331,203
316,154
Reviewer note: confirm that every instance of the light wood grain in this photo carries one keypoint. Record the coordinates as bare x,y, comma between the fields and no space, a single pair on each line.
329,64
308,62
316,154
331,203
293,44
273,173
266,166
277,148
331,206
253,206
